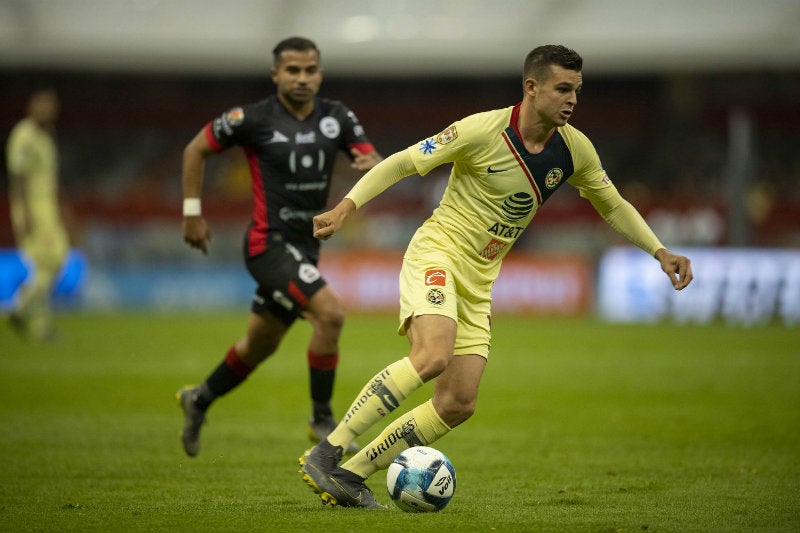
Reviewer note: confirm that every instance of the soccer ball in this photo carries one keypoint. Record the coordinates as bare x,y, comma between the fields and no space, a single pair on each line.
421,480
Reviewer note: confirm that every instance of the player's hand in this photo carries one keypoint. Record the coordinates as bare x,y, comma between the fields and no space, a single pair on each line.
677,267
196,233
329,222
364,162
324,226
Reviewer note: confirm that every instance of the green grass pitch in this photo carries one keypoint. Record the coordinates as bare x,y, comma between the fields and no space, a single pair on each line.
581,427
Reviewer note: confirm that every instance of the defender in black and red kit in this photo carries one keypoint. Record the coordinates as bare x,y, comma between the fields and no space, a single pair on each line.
291,140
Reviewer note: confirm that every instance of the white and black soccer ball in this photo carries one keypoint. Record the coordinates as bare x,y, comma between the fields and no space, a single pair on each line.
421,480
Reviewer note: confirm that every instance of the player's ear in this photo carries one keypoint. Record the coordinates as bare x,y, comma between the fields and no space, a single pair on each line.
530,86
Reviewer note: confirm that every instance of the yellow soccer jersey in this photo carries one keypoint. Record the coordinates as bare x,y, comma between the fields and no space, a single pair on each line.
496,186
33,157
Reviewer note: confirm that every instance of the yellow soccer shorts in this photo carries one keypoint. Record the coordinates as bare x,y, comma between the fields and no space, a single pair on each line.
428,287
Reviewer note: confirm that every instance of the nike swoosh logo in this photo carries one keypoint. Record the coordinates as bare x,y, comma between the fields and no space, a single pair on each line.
389,401
490,170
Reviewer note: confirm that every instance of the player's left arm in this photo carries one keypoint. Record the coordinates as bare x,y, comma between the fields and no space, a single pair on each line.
628,222
365,156
594,185
358,146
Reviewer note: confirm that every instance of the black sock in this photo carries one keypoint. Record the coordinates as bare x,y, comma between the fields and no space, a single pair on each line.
322,374
228,375
322,411
321,392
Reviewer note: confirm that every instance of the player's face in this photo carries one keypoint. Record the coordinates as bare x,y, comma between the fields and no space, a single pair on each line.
44,107
555,98
297,76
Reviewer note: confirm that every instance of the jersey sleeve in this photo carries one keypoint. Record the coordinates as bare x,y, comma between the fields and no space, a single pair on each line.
232,128
353,135
591,180
448,146
589,177
379,178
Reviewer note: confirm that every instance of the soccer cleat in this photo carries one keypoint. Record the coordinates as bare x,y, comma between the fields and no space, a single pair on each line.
322,458
193,419
347,489
335,485
19,324
318,430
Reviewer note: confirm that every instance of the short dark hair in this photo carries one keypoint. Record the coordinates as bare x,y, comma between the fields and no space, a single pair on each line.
300,44
539,59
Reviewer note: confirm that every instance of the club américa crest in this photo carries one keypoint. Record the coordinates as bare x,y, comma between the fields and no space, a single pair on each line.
553,178
435,296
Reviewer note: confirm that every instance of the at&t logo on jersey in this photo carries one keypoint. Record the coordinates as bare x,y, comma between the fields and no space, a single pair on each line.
517,206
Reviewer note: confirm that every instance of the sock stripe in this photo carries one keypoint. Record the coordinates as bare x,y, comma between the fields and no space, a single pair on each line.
323,361
237,366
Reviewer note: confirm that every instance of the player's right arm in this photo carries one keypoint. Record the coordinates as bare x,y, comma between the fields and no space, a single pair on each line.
195,229
382,176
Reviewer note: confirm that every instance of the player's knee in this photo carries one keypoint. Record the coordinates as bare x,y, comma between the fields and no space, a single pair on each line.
328,322
455,411
429,363
333,318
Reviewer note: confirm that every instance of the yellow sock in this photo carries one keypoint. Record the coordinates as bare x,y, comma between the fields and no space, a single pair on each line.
379,397
420,427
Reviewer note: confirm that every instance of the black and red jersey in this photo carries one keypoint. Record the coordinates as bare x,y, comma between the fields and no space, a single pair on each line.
291,162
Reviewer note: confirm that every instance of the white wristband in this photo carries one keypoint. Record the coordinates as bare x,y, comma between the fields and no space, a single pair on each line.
191,207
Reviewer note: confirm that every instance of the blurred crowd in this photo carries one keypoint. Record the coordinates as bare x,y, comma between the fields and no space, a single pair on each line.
664,140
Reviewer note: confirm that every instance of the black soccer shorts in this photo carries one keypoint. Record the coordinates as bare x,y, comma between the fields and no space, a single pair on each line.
287,279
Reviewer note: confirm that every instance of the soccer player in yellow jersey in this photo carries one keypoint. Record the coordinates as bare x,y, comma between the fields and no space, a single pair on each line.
506,164
32,158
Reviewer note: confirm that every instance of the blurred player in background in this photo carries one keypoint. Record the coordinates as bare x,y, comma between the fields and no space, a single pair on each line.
291,140
506,164
33,169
